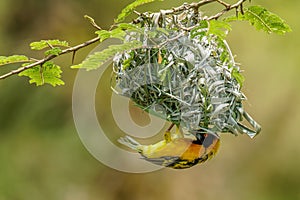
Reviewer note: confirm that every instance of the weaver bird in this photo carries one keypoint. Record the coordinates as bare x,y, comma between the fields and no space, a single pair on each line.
176,151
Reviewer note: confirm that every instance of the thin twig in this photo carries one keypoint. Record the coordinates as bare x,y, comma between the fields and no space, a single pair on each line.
92,21
170,127
223,3
188,6
227,8
49,45
50,57
137,13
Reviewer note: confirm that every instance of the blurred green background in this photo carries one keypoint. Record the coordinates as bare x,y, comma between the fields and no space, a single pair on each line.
42,157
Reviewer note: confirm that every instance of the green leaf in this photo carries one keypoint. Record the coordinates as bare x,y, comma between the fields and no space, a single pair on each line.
262,19
130,8
219,28
55,51
128,26
200,30
97,59
49,73
48,44
103,35
238,76
5,60
116,33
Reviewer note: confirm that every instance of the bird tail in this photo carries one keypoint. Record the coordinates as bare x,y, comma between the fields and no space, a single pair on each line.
129,142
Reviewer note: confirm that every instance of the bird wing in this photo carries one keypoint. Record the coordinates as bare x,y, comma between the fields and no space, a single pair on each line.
163,161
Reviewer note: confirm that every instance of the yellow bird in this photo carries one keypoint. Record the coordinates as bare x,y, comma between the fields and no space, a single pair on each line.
176,151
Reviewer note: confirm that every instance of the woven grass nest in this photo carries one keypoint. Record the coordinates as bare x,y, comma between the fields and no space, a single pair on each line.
182,76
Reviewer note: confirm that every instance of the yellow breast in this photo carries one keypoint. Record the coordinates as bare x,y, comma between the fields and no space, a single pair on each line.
180,152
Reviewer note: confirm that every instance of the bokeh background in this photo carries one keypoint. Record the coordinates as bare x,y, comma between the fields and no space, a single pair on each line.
42,157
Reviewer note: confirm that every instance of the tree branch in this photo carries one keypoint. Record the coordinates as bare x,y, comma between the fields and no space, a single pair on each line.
50,57
185,6
196,6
